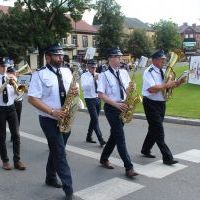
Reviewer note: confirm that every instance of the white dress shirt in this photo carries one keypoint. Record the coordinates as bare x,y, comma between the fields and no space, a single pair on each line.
152,77
88,85
11,93
44,85
109,85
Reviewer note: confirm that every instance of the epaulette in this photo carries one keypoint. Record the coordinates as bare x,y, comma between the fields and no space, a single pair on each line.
150,69
41,68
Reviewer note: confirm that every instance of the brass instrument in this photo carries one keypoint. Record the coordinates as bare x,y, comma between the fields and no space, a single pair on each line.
24,70
132,99
71,105
19,89
170,73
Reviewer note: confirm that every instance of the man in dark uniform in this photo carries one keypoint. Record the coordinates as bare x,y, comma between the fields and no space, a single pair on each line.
8,114
89,85
154,107
112,87
47,92
18,101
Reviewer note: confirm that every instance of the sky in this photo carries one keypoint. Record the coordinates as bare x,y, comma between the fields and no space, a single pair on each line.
151,11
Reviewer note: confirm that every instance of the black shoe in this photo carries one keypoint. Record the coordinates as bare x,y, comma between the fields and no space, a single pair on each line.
148,155
106,164
170,162
69,197
102,143
131,173
55,184
90,140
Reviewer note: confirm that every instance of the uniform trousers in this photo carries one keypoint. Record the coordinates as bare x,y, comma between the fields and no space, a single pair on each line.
18,106
9,114
155,112
57,162
94,106
117,137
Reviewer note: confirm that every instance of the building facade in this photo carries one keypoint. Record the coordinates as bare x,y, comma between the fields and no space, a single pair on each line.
76,43
190,36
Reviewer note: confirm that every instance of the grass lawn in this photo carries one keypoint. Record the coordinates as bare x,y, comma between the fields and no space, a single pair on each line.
185,101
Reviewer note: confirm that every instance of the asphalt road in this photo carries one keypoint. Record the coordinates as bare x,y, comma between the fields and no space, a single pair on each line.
92,182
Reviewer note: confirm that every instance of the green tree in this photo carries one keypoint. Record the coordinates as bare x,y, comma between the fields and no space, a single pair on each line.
166,35
12,40
110,21
139,44
44,21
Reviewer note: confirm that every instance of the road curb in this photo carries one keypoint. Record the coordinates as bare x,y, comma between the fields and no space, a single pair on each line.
168,119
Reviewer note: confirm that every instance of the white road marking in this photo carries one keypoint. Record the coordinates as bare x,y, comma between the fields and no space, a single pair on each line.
153,170
111,189
159,170
192,155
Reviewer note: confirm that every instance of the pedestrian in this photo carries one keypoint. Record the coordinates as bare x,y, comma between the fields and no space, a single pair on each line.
111,89
47,92
89,81
19,99
154,107
8,114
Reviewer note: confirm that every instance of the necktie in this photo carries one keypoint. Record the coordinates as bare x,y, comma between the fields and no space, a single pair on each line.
120,86
162,74
62,91
5,92
95,83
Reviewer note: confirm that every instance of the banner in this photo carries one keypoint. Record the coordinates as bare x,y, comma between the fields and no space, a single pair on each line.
194,70
90,53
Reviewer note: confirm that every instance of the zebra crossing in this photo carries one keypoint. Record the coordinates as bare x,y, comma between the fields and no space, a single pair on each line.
116,188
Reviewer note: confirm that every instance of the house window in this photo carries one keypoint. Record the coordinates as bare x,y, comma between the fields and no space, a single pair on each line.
74,40
85,40
186,35
191,36
64,40
94,41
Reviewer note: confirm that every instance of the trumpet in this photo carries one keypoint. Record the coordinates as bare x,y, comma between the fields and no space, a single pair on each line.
18,87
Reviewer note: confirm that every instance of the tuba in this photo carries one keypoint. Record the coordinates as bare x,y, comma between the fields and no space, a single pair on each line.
170,73
24,70
71,104
132,99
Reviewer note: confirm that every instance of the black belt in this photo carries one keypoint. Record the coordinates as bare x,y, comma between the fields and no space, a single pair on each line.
4,108
150,100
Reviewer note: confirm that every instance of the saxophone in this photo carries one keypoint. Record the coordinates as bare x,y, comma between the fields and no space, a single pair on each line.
70,106
132,99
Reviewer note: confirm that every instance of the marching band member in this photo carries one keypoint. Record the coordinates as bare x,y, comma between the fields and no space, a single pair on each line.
11,71
8,114
154,107
89,85
111,89
47,92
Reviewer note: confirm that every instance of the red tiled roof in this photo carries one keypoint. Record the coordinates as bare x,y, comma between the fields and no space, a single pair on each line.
4,8
83,26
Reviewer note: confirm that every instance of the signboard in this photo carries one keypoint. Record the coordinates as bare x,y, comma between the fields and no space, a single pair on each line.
90,53
194,71
24,80
142,62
